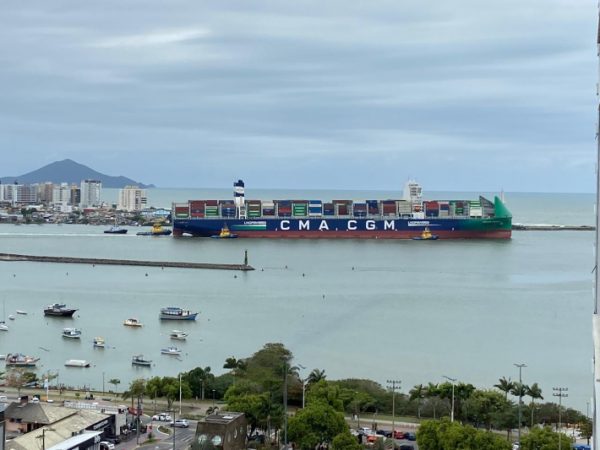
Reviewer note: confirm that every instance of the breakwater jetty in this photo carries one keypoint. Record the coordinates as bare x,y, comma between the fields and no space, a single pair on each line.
11,257
544,227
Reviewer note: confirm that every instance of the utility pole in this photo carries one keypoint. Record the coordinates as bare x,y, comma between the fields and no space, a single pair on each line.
394,385
520,366
560,392
179,396
285,421
596,314
453,380
137,425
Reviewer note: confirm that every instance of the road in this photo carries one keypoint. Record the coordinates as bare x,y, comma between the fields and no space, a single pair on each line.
183,439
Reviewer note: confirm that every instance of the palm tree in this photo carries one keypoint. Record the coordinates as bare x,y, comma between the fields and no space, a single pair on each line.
432,392
418,393
315,376
505,386
115,382
535,392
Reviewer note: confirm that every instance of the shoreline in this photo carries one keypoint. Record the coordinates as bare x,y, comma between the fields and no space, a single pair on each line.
545,227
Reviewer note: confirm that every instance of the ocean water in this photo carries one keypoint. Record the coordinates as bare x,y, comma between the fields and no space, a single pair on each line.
407,310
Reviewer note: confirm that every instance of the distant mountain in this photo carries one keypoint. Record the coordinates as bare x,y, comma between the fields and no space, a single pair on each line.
69,171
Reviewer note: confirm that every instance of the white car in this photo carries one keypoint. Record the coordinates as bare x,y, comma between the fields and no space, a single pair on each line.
105,445
162,418
180,423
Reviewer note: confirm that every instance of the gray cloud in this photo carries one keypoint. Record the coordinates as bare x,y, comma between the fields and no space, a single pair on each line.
462,95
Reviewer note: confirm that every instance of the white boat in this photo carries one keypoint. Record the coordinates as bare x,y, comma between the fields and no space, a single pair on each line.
170,351
3,326
20,311
139,360
2,357
71,333
99,342
77,363
11,317
178,335
132,322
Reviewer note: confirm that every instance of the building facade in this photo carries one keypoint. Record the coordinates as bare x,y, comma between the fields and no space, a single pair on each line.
91,191
132,198
224,430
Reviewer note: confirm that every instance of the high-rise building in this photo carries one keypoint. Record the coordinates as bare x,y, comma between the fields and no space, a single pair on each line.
45,192
90,193
132,198
61,193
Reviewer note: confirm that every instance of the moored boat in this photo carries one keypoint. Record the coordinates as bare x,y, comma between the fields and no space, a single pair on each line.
20,360
115,229
174,351
71,333
176,313
59,310
99,342
20,311
178,335
77,363
139,360
3,326
132,322
11,317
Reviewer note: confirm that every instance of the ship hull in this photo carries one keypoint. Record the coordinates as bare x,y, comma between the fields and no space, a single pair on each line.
351,228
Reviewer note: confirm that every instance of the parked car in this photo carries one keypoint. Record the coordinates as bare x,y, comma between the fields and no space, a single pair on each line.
385,433
112,438
399,434
410,436
180,423
162,417
405,447
105,445
3,399
365,430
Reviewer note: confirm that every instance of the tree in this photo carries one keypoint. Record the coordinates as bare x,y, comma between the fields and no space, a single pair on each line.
446,435
586,429
171,389
137,389
505,386
327,393
345,441
115,382
317,423
200,380
417,393
315,376
544,439
535,392
482,407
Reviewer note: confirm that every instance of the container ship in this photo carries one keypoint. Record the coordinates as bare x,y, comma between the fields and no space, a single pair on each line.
404,218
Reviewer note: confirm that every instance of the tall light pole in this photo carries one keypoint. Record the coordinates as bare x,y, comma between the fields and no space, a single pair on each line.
300,366
520,366
560,392
596,314
394,385
453,380
285,404
179,395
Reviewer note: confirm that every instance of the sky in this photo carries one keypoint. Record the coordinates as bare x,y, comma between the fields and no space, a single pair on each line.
462,96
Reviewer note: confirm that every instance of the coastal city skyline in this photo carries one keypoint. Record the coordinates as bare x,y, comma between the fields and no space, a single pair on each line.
337,96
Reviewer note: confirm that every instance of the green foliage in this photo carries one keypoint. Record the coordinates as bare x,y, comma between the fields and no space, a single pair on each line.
345,441
315,376
200,380
483,407
505,386
544,439
586,429
115,382
446,435
315,424
327,393
260,411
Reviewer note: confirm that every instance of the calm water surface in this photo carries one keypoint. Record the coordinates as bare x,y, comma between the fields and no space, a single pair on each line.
375,309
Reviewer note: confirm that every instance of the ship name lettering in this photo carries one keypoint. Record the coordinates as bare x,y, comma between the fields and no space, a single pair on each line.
303,225
323,226
389,224
370,224
351,225
284,225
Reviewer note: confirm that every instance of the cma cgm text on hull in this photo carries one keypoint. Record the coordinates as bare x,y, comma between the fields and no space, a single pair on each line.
403,218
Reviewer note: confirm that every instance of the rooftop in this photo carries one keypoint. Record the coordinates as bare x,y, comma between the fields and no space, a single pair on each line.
223,417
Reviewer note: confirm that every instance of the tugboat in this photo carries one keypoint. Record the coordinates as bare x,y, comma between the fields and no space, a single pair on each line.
138,360
157,230
426,236
224,234
59,310
176,313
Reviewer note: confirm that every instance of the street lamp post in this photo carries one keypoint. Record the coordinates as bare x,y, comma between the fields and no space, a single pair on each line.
300,366
394,385
213,391
520,366
179,395
560,392
453,380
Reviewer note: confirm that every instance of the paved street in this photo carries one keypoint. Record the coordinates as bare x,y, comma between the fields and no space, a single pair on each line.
183,438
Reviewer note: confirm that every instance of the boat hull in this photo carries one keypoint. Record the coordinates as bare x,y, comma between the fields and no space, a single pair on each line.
174,317
351,228
65,313
124,231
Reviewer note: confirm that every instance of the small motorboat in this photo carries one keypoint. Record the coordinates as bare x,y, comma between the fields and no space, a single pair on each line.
99,342
115,229
225,234
157,230
20,311
71,333
426,236
3,326
11,317
178,335
132,322
139,360
174,351
77,363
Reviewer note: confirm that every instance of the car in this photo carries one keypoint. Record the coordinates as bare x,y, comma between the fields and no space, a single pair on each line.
3,399
410,436
405,447
180,423
371,438
35,400
162,417
399,434
133,411
516,446
112,438
105,445
385,433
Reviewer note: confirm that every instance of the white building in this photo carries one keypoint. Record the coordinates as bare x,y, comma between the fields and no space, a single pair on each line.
90,193
132,198
61,193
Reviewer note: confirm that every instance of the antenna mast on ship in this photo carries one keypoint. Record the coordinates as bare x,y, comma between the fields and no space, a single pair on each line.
596,315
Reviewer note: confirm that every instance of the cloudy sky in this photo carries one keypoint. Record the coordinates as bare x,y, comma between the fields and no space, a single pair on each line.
461,95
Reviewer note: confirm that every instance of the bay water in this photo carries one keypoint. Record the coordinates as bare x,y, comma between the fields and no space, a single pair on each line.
406,310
